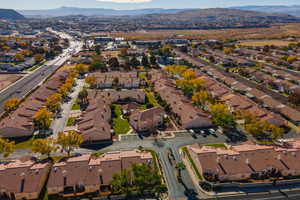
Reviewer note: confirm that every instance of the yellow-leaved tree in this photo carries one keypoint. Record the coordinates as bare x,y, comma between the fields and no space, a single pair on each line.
69,141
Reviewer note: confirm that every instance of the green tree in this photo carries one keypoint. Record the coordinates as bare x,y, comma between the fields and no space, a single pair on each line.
69,141
113,63
146,177
145,62
81,69
222,116
44,146
97,49
134,62
83,96
122,183
6,147
153,60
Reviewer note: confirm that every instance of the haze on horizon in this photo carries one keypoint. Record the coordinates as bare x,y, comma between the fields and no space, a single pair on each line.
137,4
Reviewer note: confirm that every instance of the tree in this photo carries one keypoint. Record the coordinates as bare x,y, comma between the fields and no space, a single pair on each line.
134,62
291,59
145,62
198,84
97,64
19,57
44,146
203,98
11,104
39,58
98,49
176,69
145,177
42,119
294,98
180,167
228,51
91,80
153,60
122,183
53,102
166,50
141,177
189,74
113,63
6,147
222,116
83,96
81,69
69,141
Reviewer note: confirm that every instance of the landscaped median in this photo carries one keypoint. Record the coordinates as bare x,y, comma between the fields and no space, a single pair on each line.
191,162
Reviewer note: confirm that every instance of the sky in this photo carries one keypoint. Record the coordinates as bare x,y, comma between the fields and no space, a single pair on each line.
137,4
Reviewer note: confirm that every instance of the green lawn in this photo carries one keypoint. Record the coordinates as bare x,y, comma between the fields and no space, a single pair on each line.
76,106
25,144
151,98
120,126
217,145
71,121
143,75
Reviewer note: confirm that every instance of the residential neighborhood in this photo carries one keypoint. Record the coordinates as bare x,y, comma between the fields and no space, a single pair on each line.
168,104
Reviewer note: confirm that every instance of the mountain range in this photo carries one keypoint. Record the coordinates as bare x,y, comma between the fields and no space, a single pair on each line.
66,11
291,10
10,14
207,18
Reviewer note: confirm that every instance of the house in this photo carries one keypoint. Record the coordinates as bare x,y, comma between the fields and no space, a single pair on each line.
148,43
147,120
245,161
186,114
94,123
23,179
86,174
20,123
106,80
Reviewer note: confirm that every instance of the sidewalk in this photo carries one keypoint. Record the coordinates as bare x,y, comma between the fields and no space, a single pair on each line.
59,124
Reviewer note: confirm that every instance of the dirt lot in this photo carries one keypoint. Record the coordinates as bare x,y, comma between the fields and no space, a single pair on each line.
275,32
8,79
262,43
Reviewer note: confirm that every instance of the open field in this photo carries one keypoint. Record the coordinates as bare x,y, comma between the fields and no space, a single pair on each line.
8,79
261,43
275,32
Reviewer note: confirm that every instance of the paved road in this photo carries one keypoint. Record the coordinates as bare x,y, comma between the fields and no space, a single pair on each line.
28,83
275,195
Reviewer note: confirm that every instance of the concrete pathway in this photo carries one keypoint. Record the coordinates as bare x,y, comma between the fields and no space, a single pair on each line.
59,124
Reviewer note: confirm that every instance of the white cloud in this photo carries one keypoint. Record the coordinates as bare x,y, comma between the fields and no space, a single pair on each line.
126,1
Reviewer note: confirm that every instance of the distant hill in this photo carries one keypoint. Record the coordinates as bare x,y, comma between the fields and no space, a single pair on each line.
207,18
66,11
10,14
291,10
